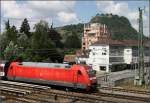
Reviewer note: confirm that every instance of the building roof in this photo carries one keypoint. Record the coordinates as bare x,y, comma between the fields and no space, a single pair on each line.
79,52
120,42
69,58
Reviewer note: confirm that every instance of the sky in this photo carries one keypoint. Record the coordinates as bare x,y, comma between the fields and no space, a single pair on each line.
71,12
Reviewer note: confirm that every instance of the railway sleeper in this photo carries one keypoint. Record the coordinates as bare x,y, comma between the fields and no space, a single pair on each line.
14,93
14,90
16,86
125,97
125,90
32,88
41,100
81,97
24,84
27,100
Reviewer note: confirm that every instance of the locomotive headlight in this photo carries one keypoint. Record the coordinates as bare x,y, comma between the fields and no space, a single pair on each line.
92,78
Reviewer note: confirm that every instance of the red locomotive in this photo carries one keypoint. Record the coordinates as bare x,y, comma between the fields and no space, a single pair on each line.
74,76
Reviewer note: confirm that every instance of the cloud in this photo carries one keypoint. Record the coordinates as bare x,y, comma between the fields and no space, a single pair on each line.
11,9
123,9
16,11
111,6
67,17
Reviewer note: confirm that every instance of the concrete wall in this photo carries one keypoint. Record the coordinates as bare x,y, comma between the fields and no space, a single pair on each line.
128,55
99,56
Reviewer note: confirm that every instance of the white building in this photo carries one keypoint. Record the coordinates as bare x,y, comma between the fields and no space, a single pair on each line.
99,57
113,54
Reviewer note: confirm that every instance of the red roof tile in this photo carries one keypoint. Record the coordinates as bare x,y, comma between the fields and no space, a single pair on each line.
69,58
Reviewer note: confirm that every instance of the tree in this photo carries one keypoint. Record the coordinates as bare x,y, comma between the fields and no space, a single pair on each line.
25,28
43,47
11,51
23,41
73,41
10,32
7,25
40,38
8,36
13,34
3,44
4,41
55,37
66,31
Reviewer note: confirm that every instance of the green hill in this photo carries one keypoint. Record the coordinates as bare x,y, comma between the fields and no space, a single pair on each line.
67,30
119,27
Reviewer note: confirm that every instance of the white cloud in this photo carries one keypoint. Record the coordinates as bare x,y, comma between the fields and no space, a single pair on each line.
122,9
11,9
36,10
67,17
112,7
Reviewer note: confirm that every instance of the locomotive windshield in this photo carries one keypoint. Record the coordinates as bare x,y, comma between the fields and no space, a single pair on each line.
90,71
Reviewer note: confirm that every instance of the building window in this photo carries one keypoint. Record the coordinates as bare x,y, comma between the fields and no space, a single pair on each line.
87,30
103,53
91,34
103,68
128,50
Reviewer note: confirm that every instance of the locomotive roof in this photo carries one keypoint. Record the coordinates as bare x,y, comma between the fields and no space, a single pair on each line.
46,65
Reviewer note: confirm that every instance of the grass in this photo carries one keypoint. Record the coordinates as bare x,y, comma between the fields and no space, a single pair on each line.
130,85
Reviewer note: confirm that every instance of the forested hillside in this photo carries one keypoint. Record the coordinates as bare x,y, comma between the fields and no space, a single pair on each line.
67,30
119,27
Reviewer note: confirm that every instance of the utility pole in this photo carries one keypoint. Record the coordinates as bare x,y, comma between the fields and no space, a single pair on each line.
139,78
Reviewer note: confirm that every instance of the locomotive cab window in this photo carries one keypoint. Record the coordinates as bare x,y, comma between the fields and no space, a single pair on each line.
79,72
11,67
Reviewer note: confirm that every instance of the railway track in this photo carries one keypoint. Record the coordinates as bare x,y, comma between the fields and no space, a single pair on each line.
126,90
13,91
16,91
127,97
29,93
78,96
23,85
98,97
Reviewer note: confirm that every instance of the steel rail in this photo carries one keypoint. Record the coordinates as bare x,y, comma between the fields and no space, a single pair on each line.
126,90
94,98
